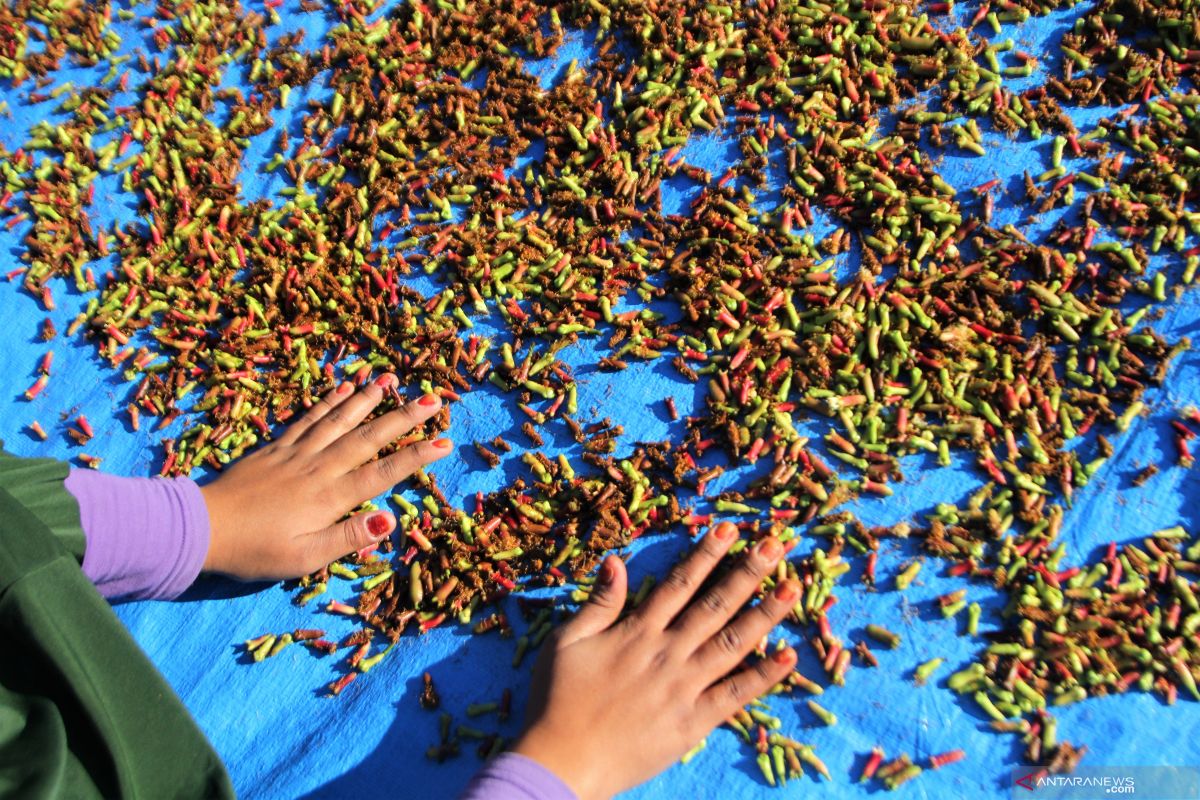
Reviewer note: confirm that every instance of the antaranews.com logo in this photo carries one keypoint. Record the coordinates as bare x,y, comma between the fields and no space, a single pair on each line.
1110,784
1158,783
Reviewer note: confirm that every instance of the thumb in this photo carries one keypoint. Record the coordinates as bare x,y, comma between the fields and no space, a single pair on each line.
605,605
359,532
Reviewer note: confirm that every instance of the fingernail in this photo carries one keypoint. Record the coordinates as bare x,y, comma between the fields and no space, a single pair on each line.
345,388
443,444
606,572
725,531
378,524
428,400
770,549
784,656
786,592
385,380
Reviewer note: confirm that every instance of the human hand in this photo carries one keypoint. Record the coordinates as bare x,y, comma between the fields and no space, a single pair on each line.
616,702
274,514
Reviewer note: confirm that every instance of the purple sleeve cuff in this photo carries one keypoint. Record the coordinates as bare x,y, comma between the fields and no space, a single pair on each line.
511,776
146,537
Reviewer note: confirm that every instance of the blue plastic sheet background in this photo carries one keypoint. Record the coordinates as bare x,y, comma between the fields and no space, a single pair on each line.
281,738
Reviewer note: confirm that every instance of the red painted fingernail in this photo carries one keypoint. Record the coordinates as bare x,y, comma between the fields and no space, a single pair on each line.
384,380
428,400
770,549
725,531
443,444
378,524
784,656
786,592
345,388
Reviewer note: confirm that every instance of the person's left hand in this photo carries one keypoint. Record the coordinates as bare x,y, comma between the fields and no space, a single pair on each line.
274,514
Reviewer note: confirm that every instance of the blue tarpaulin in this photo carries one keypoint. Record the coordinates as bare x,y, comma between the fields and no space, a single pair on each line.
281,737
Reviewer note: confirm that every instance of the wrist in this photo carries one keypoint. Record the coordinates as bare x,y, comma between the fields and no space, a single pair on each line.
556,755
214,558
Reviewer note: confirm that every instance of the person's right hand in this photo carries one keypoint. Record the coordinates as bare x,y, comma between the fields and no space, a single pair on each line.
616,702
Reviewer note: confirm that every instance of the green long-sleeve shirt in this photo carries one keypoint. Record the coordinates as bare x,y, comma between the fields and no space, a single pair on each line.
83,712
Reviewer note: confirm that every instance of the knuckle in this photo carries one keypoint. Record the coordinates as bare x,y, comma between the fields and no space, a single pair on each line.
629,626
659,659
336,416
312,469
366,432
751,567
422,453
763,670
397,422
388,469
734,689
770,609
763,678
678,579
350,535
715,602
711,548
729,640
409,416
326,497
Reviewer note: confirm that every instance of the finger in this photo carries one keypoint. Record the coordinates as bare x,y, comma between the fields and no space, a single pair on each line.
729,646
685,577
348,536
722,699
346,416
369,438
605,605
715,607
330,401
381,475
